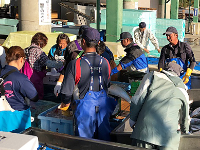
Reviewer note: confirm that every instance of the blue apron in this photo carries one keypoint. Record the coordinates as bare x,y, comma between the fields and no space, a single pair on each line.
16,121
94,110
182,64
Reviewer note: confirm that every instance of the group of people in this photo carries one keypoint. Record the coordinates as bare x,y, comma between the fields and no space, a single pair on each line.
86,67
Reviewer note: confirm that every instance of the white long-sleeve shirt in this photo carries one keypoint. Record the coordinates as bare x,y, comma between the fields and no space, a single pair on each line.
142,39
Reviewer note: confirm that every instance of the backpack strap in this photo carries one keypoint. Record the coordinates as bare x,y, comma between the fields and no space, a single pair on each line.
79,54
109,68
92,69
77,45
2,80
78,71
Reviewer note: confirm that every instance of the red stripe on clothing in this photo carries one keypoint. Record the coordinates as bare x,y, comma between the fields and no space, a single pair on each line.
78,71
109,69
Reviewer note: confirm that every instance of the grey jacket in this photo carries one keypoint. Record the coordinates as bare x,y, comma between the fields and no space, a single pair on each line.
156,108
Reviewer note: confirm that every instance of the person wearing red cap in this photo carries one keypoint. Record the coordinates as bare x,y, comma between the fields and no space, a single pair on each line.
179,52
142,36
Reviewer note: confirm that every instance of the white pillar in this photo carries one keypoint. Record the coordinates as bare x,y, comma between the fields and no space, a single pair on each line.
29,16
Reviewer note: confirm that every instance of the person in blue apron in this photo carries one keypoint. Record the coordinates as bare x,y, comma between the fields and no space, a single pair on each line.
179,52
90,74
17,87
74,51
134,59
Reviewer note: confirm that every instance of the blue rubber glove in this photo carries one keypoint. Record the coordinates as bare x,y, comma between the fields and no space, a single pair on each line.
114,71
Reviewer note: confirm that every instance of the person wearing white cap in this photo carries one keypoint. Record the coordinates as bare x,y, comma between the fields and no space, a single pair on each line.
142,36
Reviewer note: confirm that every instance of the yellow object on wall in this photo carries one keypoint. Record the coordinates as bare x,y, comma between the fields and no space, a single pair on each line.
23,39
116,48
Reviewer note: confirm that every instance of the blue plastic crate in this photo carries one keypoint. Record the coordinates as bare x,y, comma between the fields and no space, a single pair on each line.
56,124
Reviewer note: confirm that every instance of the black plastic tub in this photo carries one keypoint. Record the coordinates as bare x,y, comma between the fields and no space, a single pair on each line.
122,133
65,141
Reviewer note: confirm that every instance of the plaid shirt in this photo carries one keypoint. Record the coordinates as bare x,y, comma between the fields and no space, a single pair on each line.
37,58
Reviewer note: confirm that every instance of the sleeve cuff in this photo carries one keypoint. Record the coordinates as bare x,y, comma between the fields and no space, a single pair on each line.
132,123
65,99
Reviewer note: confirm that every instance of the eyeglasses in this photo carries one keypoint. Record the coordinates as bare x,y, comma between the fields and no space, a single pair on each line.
24,59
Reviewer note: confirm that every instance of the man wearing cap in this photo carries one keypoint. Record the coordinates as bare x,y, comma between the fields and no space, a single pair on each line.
74,50
86,82
159,103
134,59
179,52
142,36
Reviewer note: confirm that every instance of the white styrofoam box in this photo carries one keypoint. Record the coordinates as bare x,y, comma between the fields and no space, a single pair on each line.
14,141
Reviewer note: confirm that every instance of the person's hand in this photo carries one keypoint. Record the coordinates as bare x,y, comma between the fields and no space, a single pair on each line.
146,50
185,79
57,88
158,50
63,106
187,75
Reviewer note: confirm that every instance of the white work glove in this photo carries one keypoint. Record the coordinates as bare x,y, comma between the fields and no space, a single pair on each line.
57,88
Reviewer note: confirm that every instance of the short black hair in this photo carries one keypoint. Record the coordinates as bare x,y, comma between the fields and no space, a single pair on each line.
39,39
62,36
91,44
101,48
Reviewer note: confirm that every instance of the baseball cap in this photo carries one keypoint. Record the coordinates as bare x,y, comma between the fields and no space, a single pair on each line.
91,35
142,25
173,66
82,28
124,35
170,30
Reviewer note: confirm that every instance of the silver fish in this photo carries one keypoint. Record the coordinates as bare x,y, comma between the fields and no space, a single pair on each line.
76,93
195,128
195,121
195,113
119,92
